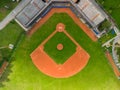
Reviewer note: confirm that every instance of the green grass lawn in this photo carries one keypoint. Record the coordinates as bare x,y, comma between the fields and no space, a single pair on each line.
9,35
113,7
5,11
60,56
97,75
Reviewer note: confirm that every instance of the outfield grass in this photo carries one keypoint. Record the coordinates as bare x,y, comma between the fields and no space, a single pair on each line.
60,56
113,7
97,75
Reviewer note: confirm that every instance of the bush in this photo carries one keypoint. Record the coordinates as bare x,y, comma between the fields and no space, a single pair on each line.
4,55
118,51
104,25
0,56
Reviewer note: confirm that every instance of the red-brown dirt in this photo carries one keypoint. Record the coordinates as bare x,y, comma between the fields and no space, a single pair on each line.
116,71
4,65
72,66
71,14
60,46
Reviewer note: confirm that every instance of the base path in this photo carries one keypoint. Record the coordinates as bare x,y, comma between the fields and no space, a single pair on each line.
83,26
47,65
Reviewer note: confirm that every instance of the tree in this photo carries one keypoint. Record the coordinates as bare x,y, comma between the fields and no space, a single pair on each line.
105,25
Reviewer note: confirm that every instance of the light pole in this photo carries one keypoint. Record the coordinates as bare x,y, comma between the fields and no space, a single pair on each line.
10,46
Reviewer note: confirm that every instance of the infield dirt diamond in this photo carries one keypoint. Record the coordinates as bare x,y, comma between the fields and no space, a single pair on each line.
68,55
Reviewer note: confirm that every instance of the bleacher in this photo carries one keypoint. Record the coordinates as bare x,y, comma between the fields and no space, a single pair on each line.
36,9
30,11
94,15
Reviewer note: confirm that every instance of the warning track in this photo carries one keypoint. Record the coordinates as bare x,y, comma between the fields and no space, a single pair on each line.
83,26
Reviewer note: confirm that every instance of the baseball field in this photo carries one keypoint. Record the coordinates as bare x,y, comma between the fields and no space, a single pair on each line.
97,75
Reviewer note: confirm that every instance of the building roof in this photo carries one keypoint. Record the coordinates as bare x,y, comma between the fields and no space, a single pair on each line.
91,11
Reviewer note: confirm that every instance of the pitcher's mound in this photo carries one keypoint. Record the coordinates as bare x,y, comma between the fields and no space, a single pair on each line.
60,46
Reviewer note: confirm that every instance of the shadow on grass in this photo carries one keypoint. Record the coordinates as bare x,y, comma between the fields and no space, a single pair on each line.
8,71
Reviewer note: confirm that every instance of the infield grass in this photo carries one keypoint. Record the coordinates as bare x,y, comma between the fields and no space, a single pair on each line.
97,75
60,56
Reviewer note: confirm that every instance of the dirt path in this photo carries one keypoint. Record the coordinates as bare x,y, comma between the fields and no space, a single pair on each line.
71,14
72,66
116,71
4,65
